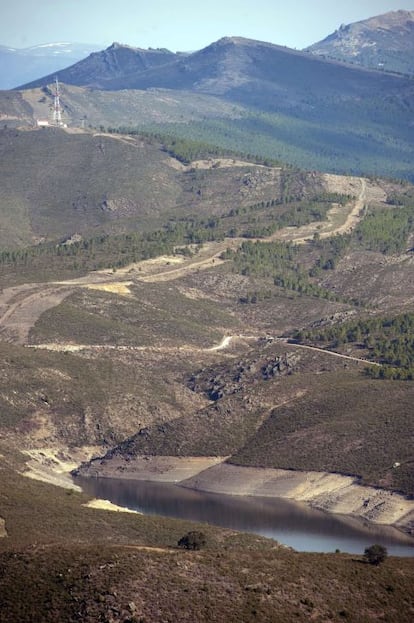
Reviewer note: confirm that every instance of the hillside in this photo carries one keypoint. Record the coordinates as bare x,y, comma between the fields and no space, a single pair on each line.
39,199
251,73
123,183
101,68
229,285
168,334
383,42
24,64
178,306
288,105
227,67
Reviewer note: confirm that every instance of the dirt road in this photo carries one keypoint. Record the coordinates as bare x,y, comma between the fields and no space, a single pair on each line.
340,220
21,306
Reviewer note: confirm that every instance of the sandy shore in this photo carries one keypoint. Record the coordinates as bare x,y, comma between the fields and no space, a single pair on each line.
172,469
53,465
106,505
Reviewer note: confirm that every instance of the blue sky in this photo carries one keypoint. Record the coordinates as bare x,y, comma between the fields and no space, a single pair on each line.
181,24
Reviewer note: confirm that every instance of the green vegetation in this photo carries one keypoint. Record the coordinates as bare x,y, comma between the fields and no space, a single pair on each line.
283,263
57,260
375,554
311,141
389,341
194,540
187,150
329,252
386,229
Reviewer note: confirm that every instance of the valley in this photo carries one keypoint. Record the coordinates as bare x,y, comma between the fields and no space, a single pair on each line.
207,336
23,307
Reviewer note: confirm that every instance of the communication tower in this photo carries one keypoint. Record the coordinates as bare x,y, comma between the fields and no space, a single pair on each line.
57,109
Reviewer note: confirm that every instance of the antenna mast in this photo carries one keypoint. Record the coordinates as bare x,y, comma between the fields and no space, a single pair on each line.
57,110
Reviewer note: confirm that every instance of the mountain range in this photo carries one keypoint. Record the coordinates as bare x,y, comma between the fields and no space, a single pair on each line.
233,67
384,42
287,105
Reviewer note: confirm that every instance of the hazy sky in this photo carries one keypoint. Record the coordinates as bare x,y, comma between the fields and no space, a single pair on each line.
181,24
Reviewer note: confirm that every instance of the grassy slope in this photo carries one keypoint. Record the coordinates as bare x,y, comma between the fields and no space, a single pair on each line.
153,315
335,420
54,184
62,183
98,584
63,577
127,107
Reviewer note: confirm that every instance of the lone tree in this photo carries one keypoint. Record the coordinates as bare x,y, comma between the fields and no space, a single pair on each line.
376,554
193,540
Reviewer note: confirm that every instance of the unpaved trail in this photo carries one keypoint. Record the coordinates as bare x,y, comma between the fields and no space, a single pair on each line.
331,352
210,256
213,163
21,306
223,345
73,348
340,220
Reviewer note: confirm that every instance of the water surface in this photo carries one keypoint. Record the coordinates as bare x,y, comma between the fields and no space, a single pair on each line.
291,523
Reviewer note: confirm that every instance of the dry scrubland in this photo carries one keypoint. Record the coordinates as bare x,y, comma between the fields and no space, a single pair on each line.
138,348
65,562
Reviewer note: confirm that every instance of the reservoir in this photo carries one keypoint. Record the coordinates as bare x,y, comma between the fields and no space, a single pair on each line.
291,523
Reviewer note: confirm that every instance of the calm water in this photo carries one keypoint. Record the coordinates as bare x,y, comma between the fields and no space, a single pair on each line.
291,523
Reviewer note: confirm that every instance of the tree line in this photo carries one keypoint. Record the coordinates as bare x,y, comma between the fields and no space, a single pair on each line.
385,340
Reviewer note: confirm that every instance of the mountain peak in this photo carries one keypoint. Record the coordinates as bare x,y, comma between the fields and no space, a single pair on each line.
381,42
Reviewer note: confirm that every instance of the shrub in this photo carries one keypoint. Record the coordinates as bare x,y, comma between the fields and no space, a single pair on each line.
193,540
376,554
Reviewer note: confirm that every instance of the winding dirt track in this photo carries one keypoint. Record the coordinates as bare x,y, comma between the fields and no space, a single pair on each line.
21,306
223,345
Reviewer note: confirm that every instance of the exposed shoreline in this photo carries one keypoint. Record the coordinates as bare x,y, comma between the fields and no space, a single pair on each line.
332,493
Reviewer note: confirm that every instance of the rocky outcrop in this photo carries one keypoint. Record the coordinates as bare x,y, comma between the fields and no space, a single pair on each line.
219,381
383,42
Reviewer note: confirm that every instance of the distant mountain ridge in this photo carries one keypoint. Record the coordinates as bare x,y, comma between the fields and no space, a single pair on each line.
22,65
100,69
381,42
252,73
287,105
